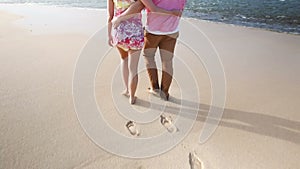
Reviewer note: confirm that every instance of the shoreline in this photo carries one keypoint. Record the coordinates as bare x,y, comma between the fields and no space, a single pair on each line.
244,26
186,17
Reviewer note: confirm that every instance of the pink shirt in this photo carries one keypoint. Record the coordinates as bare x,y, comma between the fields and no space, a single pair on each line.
163,24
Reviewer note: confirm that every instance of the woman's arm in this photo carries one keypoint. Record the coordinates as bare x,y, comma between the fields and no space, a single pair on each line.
137,6
153,8
110,16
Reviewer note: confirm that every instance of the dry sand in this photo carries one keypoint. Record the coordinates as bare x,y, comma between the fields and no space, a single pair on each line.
260,128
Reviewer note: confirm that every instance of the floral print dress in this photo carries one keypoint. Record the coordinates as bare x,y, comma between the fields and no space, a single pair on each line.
129,34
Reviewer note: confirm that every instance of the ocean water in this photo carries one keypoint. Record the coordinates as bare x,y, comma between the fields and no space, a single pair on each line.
275,15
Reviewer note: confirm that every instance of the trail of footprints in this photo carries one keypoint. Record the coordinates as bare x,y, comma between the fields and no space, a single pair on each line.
132,128
194,161
167,122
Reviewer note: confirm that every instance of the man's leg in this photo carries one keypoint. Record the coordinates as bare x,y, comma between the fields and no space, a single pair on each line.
151,44
167,46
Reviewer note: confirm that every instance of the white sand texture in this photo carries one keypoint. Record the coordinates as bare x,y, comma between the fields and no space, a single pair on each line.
40,128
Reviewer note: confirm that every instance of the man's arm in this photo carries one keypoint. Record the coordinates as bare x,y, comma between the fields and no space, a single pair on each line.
134,8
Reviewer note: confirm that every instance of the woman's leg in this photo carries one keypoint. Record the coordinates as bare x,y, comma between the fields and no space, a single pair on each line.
124,69
133,60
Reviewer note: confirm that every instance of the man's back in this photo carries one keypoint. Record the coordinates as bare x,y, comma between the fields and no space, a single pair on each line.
163,24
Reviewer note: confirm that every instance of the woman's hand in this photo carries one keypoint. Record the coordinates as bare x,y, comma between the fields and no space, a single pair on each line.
110,9
110,40
177,12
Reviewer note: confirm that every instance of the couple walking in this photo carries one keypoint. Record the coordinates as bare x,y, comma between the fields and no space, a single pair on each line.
125,30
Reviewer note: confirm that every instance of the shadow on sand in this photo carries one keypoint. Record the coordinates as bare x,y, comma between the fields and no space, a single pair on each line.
262,124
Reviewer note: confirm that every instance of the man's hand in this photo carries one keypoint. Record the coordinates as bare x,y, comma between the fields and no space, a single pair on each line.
116,21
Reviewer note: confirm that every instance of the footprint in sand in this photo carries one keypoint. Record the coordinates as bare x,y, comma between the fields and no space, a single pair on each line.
168,124
194,161
132,128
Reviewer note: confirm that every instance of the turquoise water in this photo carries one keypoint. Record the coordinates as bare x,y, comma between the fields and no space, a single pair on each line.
276,15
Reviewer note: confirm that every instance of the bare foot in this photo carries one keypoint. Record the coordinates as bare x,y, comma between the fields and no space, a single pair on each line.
164,96
154,92
125,93
132,99
194,161
131,126
168,124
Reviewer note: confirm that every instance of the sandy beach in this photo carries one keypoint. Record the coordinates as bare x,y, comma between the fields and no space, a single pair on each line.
40,46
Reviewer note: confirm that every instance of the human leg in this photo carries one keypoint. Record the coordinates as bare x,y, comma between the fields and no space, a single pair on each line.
167,47
150,47
133,61
124,69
